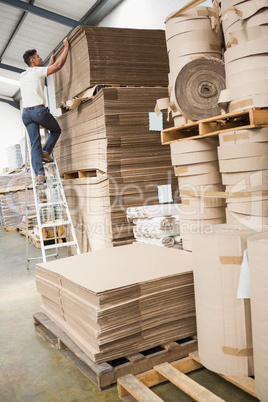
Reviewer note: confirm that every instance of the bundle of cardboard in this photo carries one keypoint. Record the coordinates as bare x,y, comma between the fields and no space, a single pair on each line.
113,56
223,320
244,24
13,208
161,228
196,165
194,44
108,137
120,300
244,168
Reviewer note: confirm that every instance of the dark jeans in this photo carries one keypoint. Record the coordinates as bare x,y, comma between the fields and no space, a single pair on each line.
33,119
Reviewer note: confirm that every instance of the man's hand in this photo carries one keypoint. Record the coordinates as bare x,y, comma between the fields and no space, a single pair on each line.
66,43
52,60
59,63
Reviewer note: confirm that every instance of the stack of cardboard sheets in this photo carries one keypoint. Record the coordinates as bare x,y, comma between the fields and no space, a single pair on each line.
120,300
112,56
110,134
13,208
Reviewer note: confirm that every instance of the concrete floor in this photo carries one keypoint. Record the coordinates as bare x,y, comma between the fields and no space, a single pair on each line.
31,369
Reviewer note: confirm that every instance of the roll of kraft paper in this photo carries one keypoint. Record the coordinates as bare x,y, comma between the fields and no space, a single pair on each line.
198,87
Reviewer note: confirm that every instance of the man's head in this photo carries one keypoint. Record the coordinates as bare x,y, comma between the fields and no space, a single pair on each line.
32,59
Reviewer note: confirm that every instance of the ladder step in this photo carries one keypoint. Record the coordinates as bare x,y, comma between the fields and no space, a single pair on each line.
48,204
52,224
57,245
48,164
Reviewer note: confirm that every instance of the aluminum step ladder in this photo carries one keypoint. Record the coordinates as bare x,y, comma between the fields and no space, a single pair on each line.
52,213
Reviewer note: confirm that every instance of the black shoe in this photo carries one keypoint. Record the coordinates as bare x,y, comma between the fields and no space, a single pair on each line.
40,179
46,157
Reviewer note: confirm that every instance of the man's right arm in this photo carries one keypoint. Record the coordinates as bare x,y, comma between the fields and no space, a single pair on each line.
61,60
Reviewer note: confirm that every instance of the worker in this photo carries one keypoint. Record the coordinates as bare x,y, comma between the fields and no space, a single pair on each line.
35,113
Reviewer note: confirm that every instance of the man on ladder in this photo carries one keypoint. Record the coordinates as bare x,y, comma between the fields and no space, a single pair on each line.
35,113
54,212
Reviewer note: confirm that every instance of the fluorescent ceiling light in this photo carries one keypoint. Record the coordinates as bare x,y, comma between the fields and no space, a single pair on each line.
10,81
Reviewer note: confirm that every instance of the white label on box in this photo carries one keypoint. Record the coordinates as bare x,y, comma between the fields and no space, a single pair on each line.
164,193
155,122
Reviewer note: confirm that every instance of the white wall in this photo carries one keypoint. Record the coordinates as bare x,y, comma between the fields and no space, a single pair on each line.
144,14
11,130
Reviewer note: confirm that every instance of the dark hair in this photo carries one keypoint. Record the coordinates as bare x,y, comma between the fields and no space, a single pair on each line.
27,55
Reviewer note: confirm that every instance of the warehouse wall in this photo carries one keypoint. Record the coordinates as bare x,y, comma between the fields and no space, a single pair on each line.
11,130
144,14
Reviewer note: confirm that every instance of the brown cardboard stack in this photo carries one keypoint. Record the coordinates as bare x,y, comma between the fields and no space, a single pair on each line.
244,167
245,31
258,269
110,134
223,320
113,56
120,300
196,165
13,208
194,44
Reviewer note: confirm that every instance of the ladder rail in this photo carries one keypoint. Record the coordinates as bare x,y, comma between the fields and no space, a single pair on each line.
49,186
67,207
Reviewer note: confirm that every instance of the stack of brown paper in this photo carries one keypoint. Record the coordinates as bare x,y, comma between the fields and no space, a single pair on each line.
223,320
246,57
195,37
109,136
244,167
116,56
120,300
258,257
196,165
12,208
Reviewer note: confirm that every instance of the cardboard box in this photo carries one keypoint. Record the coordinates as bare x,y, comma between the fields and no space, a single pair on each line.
223,321
258,270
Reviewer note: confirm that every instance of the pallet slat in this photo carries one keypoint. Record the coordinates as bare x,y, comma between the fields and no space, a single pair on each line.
136,388
186,384
242,120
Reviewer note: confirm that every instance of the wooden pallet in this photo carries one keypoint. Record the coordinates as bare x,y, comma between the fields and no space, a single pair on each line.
81,174
242,120
10,229
136,388
49,241
105,374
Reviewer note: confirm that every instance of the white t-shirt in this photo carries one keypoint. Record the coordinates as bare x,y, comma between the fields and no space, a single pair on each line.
32,83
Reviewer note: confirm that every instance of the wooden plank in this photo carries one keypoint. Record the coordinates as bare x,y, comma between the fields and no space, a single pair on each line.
247,384
186,384
241,120
136,388
152,377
